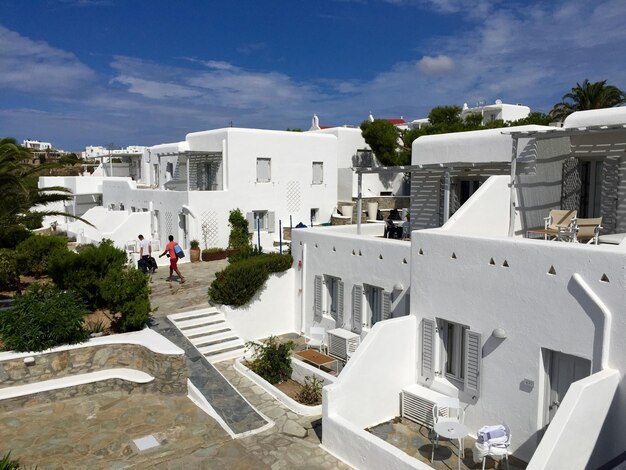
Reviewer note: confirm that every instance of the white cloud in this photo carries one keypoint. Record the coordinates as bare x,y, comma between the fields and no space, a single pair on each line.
36,67
438,65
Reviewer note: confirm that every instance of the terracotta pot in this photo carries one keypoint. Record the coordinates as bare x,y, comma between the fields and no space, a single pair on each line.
194,254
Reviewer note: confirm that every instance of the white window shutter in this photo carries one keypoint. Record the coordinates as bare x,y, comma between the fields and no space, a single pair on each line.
271,220
357,309
339,304
386,305
473,360
251,224
317,299
427,368
318,172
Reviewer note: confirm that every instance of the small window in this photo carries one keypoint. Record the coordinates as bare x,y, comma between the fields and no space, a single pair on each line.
318,172
314,215
453,341
263,170
260,220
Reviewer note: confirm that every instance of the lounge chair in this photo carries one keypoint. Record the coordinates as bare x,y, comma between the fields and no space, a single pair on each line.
558,225
588,230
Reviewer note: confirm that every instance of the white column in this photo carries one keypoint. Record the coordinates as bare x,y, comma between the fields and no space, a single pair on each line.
446,195
359,203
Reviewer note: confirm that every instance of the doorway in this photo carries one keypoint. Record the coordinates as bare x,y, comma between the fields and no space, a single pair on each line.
561,371
332,286
590,188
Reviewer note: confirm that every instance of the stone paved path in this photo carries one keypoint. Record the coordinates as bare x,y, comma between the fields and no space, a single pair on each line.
232,408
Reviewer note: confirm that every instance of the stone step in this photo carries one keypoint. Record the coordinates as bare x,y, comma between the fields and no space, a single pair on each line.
222,347
197,322
226,355
205,340
192,313
215,328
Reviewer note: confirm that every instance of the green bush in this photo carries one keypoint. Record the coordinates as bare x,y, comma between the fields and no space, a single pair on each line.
245,254
239,236
9,276
311,393
239,282
34,252
126,293
83,272
42,318
12,235
7,463
271,359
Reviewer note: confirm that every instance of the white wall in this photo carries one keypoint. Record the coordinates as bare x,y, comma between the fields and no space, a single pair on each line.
270,312
536,309
572,434
329,250
486,212
367,393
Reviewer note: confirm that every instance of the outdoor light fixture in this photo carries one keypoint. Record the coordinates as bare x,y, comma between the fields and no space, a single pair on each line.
499,333
398,287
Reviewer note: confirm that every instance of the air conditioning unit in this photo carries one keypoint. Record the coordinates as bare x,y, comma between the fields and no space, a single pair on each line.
417,404
342,343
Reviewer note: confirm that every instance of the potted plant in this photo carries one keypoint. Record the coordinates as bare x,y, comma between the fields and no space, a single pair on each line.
194,251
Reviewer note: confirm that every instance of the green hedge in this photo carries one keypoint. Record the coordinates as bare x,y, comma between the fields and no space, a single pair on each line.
239,282
34,252
126,293
42,318
83,272
9,276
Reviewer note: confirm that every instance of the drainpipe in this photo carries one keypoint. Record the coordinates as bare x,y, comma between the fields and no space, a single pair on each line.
359,203
606,329
513,195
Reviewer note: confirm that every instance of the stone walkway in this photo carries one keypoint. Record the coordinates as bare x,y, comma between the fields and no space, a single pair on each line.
231,407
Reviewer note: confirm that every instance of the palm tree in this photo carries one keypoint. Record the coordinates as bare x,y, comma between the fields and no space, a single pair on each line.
588,96
22,199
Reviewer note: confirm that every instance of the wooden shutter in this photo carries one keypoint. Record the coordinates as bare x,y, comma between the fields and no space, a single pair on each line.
271,220
339,304
317,299
386,305
473,359
251,224
263,170
357,309
427,368
318,172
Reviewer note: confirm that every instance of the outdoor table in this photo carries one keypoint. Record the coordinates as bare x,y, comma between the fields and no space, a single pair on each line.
317,358
563,234
453,430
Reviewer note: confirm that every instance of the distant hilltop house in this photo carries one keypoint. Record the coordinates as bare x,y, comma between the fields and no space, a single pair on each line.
36,145
497,111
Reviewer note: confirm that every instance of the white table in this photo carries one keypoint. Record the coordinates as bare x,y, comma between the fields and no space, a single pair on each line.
453,430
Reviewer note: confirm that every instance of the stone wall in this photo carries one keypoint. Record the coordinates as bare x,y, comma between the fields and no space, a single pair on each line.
169,371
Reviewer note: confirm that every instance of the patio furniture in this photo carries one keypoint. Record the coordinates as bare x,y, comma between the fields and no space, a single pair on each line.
318,359
496,446
560,225
316,338
612,238
588,230
448,417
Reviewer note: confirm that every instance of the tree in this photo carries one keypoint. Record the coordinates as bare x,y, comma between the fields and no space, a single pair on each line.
383,138
20,192
596,95
446,119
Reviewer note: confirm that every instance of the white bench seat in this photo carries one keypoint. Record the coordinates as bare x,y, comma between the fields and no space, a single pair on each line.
130,375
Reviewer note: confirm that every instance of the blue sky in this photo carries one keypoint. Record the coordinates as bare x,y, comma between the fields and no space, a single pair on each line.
90,72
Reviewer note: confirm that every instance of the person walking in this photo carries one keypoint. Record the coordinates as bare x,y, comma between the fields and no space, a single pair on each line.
170,251
145,252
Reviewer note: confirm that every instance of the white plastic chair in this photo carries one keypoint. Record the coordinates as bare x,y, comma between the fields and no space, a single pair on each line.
497,448
316,338
447,409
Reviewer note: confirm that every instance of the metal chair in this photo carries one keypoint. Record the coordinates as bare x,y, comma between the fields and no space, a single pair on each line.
446,409
497,448
588,230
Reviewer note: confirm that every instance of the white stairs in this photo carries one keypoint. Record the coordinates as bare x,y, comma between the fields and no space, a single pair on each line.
211,334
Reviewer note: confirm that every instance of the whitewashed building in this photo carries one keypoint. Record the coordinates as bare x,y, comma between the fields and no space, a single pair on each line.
497,111
523,331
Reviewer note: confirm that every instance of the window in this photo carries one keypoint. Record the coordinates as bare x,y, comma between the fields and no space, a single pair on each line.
260,220
374,302
318,172
314,215
263,170
332,285
590,188
453,342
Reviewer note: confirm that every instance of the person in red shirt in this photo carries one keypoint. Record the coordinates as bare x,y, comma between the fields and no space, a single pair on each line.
169,251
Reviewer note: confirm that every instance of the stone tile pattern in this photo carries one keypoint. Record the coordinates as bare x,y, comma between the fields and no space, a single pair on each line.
169,372
232,408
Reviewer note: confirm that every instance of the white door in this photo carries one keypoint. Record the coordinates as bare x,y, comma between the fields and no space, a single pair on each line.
562,369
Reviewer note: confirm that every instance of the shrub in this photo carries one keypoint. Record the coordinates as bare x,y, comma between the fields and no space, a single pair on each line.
125,292
34,252
239,236
83,272
245,254
311,393
42,318
271,359
12,235
9,276
194,244
7,463
240,281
